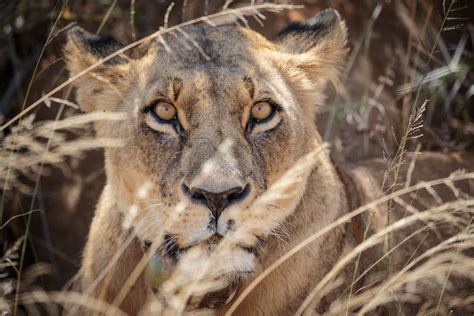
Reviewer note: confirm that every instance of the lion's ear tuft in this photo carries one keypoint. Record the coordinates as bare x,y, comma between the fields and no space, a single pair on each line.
99,79
317,46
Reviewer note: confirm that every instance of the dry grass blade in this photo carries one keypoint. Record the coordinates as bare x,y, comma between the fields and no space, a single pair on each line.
12,249
28,148
458,250
69,298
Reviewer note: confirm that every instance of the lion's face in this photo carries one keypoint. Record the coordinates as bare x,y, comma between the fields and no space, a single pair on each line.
205,140
215,117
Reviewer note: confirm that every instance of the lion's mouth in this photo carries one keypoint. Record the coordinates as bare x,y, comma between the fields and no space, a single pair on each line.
173,250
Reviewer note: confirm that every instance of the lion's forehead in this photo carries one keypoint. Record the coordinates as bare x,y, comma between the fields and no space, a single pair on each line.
224,45
205,53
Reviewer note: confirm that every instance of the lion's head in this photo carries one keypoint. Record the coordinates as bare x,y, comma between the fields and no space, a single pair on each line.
215,116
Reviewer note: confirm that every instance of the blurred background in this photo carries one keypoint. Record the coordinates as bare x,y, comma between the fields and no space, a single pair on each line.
410,64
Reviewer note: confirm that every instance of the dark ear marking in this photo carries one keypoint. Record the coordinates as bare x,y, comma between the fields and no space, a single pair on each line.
97,46
302,36
318,26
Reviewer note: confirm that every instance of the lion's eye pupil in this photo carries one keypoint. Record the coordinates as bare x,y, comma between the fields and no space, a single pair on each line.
262,111
164,111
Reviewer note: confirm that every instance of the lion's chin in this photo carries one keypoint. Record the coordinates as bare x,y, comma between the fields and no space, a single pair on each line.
196,276
215,298
212,292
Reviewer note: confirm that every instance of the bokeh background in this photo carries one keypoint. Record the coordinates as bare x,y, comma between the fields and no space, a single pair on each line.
405,56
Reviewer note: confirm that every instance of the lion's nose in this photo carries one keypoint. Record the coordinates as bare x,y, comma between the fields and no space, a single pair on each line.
217,201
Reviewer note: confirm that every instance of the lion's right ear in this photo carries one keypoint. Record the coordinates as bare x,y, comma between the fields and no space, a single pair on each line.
101,83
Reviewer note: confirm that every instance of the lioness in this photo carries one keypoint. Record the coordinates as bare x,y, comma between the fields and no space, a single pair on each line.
223,171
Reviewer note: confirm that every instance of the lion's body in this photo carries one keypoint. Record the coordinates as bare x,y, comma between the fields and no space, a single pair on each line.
283,291
293,189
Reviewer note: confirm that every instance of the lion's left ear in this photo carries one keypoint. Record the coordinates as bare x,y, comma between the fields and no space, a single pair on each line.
316,47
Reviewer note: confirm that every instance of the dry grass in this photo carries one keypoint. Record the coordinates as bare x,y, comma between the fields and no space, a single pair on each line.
31,147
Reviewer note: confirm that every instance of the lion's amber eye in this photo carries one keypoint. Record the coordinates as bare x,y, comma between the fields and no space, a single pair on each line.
164,111
262,110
